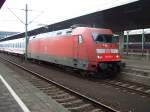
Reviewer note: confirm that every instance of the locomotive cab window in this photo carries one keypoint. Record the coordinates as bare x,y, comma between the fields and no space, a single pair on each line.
103,38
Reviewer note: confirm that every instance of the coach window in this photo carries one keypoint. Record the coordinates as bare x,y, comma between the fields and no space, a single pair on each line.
80,39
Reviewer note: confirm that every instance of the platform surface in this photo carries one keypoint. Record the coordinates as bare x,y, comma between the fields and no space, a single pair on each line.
7,102
33,99
139,63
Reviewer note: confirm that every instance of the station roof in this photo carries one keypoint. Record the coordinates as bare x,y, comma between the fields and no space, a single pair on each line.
1,3
126,17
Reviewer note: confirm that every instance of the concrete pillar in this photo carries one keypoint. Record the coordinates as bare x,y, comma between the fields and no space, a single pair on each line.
143,41
127,42
121,43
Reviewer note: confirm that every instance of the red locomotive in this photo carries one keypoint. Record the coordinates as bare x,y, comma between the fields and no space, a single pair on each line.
89,49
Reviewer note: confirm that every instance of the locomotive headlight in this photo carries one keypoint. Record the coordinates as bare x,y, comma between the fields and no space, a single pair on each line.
117,56
99,57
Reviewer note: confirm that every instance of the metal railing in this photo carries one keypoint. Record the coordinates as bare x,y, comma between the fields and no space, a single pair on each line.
145,53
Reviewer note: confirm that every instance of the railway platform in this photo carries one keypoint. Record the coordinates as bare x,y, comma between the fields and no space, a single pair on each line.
7,102
137,70
145,64
19,95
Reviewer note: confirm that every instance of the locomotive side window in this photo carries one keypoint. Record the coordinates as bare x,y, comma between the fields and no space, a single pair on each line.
80,39
59,33
68,32
103,38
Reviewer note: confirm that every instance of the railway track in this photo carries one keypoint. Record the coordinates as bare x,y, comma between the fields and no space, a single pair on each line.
133,88
129,86
70,99
137,70
146,69
121,85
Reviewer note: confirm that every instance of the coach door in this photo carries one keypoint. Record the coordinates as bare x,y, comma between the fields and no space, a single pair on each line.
77,51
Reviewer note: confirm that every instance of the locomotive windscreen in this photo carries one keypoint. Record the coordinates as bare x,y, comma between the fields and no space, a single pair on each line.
103,38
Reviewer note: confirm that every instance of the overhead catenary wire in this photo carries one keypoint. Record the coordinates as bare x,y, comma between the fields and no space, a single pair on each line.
36,17
16,15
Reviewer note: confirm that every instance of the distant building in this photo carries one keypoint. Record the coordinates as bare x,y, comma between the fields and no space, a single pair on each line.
4,34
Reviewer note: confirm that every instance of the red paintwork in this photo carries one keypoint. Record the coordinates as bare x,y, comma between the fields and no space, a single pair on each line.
68,47
61,46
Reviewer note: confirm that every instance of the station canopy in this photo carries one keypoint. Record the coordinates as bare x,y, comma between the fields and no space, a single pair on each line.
1,3
126,17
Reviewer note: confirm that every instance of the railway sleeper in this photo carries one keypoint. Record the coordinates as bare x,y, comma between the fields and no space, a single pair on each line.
47,88
81,108
53,93
53,90
68,99
44,83
97,110
36,83
73,103
147,91
61,96
37,80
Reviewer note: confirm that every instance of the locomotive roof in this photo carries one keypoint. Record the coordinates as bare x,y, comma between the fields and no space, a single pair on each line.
53,33
69,31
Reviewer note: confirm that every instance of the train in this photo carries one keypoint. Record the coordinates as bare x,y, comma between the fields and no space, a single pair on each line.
135,45
93,50
138,45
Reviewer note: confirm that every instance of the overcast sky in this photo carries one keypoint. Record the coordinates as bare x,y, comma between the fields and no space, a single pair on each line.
49,11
